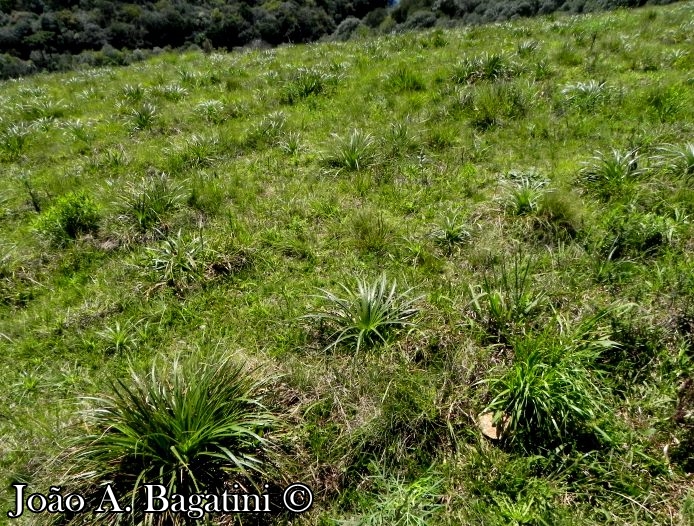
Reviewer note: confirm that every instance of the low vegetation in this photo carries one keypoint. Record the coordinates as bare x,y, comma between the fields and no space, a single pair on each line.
441,278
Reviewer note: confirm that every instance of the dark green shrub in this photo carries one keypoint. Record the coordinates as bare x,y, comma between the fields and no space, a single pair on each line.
72,215
418,20
346,28
563,211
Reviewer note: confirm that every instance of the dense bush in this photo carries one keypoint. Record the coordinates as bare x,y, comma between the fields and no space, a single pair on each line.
72,215
42,35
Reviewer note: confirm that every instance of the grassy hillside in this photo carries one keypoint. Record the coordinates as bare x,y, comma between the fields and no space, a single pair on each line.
397,240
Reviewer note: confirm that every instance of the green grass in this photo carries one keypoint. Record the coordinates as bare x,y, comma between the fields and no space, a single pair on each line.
516,183
185,426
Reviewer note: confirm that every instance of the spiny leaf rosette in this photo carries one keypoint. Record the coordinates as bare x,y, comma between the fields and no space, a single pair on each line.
368,315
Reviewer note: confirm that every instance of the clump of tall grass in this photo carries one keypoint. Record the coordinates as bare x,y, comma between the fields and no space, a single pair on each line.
494,103
212,111
171,92
290,143
525,48
118,337
368,314
507,299
487,66
307,82
353,152
677,160
609,172
587,95
189,424
177,262
180,261
399,138
665,102
269,130
372,232
13,141
525,195
402,503
634,234
561,211
143,117
42,108
552,393
133,92
146,203
451,233
404,79
196,151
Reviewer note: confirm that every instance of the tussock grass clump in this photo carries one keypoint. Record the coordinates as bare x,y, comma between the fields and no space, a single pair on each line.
372,232
133,92
562,211
586,96
487,66
72,215
506,299
494,103
146,203
526,48
81,131
354,152
15,281
211,110
291,143
404,79
677,160
552,394
634,234
143,117
400,138
14,140
666,103
525,195
307,82
609,173
177,262
451,233
269,130
170,92
114,157
42,108
368,314
190,424
118,337
181,261
196,151
402,503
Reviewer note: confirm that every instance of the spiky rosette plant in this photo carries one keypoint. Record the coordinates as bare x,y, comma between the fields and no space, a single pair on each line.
369,314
